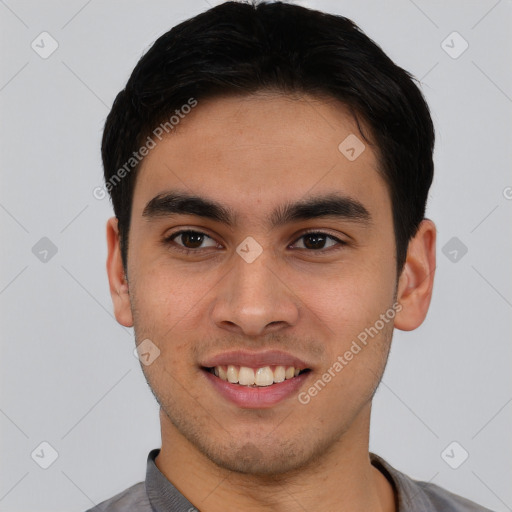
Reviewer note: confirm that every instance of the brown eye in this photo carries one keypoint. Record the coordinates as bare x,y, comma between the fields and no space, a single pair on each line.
191,239
317,240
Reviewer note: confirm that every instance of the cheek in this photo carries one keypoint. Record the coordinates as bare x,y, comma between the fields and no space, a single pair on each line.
351,297
350,375
347,309
168,305
166,294
156,304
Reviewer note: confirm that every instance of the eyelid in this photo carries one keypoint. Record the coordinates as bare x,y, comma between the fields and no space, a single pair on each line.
320,232
340,242
170,239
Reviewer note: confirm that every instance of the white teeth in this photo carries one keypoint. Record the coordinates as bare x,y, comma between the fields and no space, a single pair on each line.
263,376
232,374
246,376
222,373
279,374
290,372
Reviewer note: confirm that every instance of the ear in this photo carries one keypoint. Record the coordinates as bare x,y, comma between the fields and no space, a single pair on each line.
417,278
116,276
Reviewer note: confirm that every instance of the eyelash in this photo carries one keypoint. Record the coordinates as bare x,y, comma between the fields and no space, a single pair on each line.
170,241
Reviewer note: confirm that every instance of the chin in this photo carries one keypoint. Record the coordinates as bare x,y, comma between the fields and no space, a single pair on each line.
272,451
250,459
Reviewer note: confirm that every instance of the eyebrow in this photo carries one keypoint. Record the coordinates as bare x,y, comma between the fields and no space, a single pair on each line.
332,205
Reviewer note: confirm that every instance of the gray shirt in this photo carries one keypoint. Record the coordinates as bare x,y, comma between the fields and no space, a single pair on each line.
157,494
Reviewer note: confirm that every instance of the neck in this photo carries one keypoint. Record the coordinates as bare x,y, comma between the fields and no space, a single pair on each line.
342,479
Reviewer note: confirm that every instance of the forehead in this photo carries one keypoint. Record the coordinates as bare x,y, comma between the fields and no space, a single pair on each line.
259,150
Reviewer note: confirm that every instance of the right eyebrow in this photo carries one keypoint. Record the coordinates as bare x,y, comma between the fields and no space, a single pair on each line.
180,203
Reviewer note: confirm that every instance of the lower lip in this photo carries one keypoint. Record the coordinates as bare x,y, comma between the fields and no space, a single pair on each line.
256,398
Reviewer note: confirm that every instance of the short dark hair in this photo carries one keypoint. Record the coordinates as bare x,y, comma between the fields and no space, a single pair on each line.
242,48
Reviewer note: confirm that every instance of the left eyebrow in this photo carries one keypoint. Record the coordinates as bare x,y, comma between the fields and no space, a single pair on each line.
328,205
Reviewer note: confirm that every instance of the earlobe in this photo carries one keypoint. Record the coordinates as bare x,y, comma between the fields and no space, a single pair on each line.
416,281
117,277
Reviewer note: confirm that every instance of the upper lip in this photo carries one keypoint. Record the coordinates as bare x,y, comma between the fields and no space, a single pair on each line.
254,359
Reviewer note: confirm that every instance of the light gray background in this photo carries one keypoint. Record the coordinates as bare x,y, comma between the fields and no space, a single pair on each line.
68,374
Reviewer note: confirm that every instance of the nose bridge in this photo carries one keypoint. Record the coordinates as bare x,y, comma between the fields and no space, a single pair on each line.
254,281
252,295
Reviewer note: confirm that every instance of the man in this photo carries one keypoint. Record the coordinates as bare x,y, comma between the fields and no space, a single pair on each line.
269,168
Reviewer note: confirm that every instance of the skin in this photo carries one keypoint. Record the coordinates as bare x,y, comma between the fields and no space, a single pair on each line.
252,154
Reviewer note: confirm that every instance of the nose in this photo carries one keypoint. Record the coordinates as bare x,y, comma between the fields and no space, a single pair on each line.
254,298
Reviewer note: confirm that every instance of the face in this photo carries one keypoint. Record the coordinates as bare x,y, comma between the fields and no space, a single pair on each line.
293,262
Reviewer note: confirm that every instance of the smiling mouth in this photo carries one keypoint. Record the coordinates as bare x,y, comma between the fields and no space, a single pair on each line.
255,377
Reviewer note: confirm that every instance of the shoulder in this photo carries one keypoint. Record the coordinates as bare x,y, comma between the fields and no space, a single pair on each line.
133,498
442,499
417,496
